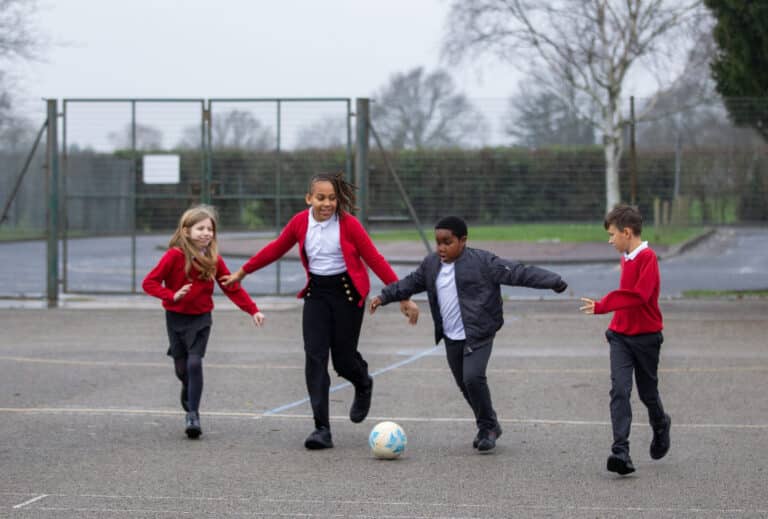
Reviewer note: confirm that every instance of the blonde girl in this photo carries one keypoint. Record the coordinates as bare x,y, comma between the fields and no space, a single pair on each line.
183,280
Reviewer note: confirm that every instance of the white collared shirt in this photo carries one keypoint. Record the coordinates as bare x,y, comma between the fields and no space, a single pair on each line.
448,299
323,246
632,255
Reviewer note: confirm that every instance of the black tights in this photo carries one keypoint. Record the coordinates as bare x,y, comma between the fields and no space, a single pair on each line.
190,371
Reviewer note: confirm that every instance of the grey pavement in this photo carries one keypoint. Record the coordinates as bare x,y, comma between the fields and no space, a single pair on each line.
91,426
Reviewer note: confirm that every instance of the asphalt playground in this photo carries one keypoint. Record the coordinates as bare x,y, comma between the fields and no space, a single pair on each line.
91,426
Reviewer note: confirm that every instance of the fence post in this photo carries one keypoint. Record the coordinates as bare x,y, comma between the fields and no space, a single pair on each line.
362,111
632,153
52,184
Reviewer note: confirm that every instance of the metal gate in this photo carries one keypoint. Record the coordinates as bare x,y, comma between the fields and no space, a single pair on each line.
130,167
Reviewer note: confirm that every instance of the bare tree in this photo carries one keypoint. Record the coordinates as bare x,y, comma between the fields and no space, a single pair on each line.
147,137
537,117
592,45
233,129
328,132
19,40
690,109
419,110
240,129
18,36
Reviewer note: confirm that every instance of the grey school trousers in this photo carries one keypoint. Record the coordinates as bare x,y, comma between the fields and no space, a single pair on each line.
638,354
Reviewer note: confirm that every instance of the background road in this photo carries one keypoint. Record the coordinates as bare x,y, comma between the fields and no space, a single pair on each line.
732,259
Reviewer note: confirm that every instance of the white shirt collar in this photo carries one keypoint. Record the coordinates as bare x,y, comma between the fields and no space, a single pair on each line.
632,255
324,223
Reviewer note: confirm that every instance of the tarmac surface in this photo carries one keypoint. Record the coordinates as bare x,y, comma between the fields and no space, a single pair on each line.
91,426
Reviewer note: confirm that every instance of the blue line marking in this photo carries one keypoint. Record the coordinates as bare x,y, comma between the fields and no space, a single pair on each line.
337,387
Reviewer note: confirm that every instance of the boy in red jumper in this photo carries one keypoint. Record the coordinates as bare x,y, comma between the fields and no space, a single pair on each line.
634,336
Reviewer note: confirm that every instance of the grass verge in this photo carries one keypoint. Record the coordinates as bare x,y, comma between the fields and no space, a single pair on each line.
737,294
533,232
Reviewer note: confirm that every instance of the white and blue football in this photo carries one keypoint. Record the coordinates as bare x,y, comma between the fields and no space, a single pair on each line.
387,440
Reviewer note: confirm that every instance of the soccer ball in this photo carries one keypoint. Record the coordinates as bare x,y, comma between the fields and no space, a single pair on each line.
387,440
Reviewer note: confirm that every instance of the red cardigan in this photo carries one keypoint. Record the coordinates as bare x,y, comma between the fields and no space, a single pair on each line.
168,277
356,247
636,302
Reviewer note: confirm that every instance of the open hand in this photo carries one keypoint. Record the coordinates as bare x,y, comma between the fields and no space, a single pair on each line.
258,319
182,292
235,277
589,305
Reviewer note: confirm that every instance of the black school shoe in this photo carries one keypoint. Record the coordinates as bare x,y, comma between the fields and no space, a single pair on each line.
496,429
622,465
660,442
486,440
362,403
193,429
320,438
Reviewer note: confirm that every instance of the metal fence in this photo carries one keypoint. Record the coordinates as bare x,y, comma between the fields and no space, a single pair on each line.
129,167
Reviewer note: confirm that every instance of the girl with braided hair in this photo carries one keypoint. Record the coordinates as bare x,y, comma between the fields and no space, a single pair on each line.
334,249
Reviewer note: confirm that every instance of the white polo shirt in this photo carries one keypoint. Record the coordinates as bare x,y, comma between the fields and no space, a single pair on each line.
632,255
448,299
323,246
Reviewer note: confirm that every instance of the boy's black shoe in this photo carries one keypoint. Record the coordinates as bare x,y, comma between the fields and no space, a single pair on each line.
362,403
486,440
660,442
319,439
193,429
496,429
620,464
184,398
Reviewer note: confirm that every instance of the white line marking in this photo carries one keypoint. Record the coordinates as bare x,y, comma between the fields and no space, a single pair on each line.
337,387
485,509
163,365
212,365
341,418
29,501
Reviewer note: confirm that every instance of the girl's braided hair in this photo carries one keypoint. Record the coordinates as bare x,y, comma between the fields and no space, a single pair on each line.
345,191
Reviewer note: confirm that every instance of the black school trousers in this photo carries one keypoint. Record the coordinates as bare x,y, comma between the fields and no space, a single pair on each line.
468,361
331,323
638,354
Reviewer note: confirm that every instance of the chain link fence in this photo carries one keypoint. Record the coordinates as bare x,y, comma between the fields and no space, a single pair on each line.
130,167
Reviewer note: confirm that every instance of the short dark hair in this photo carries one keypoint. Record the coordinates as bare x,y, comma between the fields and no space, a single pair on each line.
454,224
623,216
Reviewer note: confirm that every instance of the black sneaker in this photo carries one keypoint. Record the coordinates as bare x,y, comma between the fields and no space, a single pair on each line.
184,398
362,403
620,464
486,440
496,429
660,442
193,429
319,439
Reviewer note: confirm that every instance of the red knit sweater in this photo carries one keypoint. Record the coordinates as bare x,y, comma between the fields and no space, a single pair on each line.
356,247
168,277
636,303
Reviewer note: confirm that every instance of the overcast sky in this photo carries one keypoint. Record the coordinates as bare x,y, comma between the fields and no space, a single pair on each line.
247,48
242,48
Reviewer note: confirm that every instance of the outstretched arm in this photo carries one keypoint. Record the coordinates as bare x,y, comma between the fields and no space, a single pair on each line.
517,274
271,252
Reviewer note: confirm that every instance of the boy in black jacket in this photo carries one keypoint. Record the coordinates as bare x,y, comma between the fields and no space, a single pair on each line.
463,287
